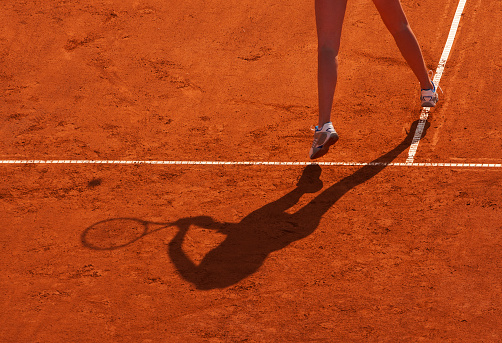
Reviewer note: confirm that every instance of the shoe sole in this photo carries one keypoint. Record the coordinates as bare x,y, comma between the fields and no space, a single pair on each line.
428,104
324,150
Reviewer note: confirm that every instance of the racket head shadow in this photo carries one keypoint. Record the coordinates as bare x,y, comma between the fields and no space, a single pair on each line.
111,234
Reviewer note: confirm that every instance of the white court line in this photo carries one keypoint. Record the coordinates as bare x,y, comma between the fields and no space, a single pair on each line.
437,77
255,163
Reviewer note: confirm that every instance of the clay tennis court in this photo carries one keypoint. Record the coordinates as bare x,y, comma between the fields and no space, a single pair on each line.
341,251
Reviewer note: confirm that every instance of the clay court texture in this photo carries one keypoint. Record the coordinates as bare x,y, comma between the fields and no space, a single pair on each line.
254,244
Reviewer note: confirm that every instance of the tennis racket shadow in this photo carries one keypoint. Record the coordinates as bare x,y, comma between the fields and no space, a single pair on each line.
117,233
247,243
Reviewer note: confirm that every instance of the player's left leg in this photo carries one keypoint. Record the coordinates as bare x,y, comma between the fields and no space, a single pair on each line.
395,20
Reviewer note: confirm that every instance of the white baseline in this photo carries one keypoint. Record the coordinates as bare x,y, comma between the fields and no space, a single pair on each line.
254,163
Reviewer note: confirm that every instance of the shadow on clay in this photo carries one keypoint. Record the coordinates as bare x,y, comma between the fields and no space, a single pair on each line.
248,242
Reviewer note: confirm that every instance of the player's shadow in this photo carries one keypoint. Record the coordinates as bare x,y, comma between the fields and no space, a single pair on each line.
267,229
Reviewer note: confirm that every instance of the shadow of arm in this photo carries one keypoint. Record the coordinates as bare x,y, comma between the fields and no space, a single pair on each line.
185,267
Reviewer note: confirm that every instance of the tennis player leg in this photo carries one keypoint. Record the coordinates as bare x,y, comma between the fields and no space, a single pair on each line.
395,20
329,21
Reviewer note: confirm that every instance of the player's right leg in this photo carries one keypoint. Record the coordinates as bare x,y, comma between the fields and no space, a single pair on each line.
329,20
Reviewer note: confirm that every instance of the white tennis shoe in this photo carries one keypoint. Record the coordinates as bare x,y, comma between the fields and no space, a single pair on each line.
324,137
429,97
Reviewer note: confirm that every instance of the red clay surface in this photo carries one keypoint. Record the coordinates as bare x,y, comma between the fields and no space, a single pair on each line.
235,253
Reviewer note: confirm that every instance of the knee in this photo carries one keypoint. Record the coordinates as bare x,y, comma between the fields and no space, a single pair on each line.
398,28
328,51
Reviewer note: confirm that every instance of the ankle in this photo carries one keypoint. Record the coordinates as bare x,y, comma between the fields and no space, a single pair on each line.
427,85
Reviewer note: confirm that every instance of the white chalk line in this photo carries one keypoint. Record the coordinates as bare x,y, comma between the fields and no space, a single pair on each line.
253,163
437,77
